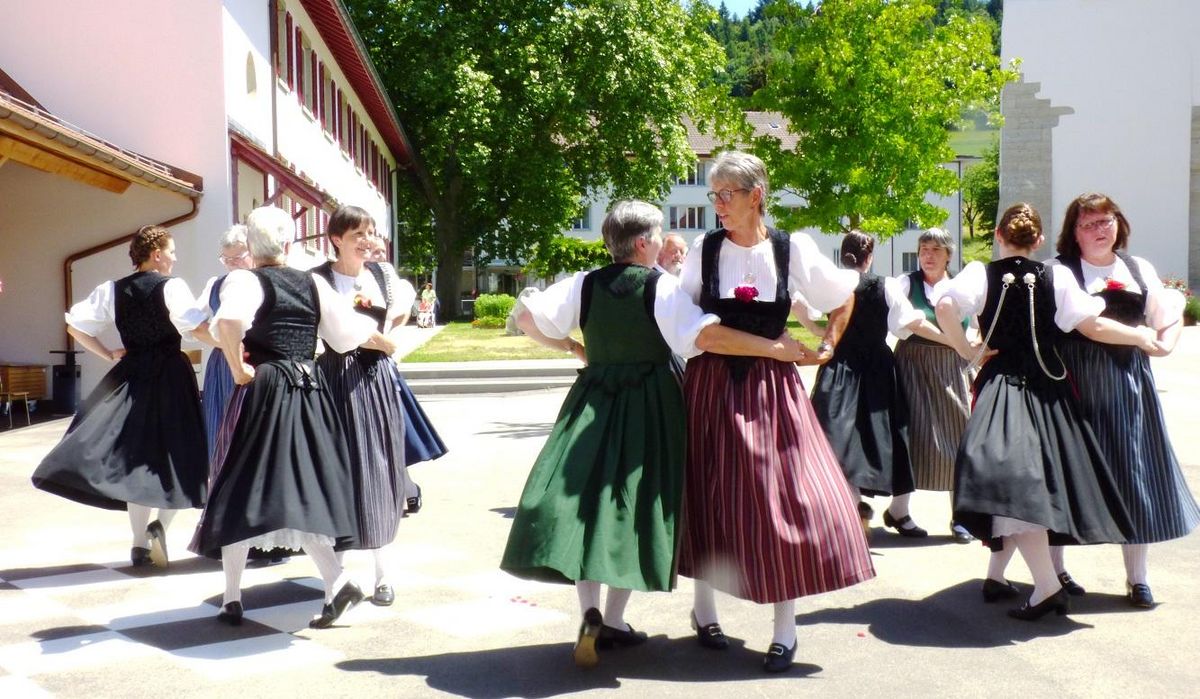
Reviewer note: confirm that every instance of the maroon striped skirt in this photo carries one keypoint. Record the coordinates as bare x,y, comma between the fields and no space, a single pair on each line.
768,515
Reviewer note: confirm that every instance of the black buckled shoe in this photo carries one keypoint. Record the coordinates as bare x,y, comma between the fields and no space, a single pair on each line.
585,645
1139,595
710,635
413,505
959,533
1073,588
913,532
610,636
994,590
231,614
139,556
865,513
347,597
384,596
779,658
158,544
1058,602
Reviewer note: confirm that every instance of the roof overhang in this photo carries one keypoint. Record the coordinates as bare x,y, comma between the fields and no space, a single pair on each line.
337,30
36,138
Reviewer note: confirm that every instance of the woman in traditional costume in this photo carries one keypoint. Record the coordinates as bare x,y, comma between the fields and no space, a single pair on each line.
218,381
769,516
286,480
601,506
1116,386
137,443
1029,471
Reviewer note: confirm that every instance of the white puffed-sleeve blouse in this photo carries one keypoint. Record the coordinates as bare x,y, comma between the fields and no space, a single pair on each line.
556,312
1074,305
341,327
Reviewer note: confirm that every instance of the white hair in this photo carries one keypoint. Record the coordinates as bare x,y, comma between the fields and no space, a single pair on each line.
269,231
236,235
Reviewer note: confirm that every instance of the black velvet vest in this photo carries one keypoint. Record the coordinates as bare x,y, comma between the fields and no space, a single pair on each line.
1012,336
1122,305
765,319
867,330
285,326
142,318
376,313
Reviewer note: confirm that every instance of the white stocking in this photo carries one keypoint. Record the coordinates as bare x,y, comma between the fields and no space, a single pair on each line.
785,623
165,517
1136,563
139,519
899,506
327,563
704,604
998,563
1056,557
1035,549
383,563
614,607
233,562
589,595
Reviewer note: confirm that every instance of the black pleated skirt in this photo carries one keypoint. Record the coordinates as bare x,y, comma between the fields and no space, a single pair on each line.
1028,454
138,438
865,417
287,467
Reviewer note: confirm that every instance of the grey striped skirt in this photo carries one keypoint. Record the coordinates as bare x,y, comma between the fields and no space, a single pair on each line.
363,385
1118,397
934,380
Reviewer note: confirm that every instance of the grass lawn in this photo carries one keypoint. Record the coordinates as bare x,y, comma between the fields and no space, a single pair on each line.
976,249
459,342
972,142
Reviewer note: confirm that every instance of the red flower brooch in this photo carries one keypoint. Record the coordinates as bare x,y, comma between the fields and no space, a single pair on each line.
1111,284
745,293
361,301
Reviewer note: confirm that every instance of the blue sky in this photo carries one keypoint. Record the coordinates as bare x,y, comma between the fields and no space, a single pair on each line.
741,8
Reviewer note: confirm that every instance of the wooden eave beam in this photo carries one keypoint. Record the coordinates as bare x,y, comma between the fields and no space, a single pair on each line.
41,158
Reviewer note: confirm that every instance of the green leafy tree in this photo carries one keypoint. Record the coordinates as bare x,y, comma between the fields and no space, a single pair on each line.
518,108
564,254
870,86
981,192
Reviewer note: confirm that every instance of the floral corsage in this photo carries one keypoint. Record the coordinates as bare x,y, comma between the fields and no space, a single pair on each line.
746,291
1111,284
361,301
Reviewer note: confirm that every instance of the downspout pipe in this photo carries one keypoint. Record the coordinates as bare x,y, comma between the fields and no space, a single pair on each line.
68,287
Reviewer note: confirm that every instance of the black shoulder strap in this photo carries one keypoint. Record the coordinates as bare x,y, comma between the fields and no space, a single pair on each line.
781,242
648,295
268,290
1076,266
1133,269
325,269
382,281
585,297
710,282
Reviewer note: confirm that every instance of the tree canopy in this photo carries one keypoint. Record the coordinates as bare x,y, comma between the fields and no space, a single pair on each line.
981,192
869,88
519,109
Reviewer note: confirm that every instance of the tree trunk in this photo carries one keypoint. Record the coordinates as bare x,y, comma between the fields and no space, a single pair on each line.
449,286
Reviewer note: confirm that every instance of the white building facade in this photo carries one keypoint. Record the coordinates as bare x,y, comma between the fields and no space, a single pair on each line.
1109,102
181,114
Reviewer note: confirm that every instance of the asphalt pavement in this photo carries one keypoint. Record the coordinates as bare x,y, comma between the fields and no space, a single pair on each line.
77,621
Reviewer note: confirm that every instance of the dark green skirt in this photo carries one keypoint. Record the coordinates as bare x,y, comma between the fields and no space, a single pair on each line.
602,501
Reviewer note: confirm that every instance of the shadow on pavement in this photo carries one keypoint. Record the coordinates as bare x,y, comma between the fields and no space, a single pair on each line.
519,430
955,617
547,670
505,512
886,539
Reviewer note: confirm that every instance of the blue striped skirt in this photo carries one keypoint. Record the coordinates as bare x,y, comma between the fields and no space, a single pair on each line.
1118,397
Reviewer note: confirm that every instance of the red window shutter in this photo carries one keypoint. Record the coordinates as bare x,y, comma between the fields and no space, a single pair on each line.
288,73
298,67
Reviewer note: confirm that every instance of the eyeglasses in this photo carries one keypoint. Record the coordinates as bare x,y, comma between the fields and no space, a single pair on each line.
725,195
1099,223
230,259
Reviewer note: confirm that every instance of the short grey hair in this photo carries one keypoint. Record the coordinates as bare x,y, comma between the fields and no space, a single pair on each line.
745,170
236,235
938,237
628,220
269,231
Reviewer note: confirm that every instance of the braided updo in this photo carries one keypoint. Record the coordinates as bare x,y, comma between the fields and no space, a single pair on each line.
1020,225
856,246
146,241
